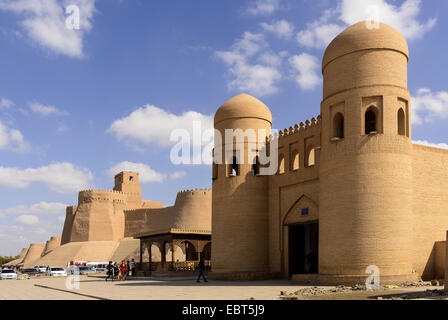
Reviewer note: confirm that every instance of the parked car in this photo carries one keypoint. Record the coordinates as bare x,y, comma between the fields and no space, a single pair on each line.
32,272
85,270
98,267
8,274
56,272
42,269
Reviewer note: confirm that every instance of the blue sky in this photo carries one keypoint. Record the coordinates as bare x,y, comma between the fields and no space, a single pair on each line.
78,105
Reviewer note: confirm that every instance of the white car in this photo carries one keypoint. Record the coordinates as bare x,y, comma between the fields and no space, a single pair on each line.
42,269
98,267
56,272
8,274
85,270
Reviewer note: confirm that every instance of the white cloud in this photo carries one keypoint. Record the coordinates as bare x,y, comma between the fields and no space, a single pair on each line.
307,70
62,128
271,59
177,175
430,144
59,177
12,139
318,34
41,208
146,173
5,103
153,125
43,21
259,79
428,106
404,18
27,220
262,7
46,110
282,28
15,236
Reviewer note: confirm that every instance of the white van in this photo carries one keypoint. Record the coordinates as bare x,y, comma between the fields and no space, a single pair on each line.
98,266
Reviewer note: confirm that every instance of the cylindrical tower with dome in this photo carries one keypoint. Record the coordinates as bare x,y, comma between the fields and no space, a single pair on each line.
365,204
240,194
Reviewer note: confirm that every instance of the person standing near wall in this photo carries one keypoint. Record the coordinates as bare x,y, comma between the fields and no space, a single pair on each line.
133,267
123,270
201,268
110,271
116,271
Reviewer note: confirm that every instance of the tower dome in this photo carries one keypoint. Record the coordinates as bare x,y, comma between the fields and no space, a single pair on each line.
243,106
363,56
359,37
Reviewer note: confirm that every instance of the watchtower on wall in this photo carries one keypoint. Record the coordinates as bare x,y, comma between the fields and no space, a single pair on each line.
365,214
128,183
240,202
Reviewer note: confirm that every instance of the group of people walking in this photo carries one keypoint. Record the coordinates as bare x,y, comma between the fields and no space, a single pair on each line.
119,272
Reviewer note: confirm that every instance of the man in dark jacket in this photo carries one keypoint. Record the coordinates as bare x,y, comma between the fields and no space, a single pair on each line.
201,268
110,271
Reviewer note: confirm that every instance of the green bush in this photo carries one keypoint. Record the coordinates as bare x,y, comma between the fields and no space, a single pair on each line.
5,260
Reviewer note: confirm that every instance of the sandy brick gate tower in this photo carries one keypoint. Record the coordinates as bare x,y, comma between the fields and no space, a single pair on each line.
351,189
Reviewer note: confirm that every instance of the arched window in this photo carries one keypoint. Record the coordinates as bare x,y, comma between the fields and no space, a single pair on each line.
168,252
338,126
311,156
370,121
295,160
234,168
156,252
401,122
281,165
256,167
190,251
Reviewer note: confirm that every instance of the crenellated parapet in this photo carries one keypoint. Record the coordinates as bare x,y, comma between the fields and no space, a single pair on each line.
194,195
193,192
101,195
301,129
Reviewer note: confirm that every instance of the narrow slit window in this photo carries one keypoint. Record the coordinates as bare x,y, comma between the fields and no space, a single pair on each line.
311,159
256,167
338,126
234,168
295,160
281,166
401,118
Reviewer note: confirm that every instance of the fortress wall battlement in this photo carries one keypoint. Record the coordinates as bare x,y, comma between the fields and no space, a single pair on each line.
71,209
68,224
301,129
88,196
193,193
190,211
51,244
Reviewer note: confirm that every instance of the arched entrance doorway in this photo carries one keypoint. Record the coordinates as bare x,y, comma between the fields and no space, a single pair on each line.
303,248
301,238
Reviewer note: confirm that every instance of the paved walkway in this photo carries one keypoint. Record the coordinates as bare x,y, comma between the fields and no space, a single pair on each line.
177,289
